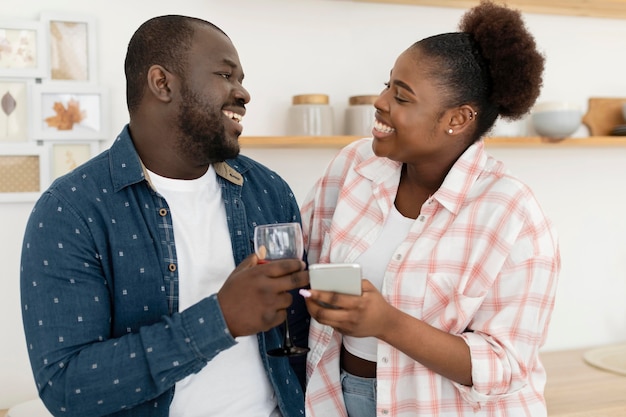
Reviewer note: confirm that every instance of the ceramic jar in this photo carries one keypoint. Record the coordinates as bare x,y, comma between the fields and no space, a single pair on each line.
310,115
360,115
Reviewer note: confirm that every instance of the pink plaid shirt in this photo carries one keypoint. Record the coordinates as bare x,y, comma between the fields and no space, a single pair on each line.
481,261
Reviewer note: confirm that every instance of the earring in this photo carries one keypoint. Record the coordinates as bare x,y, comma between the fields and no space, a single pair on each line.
450,131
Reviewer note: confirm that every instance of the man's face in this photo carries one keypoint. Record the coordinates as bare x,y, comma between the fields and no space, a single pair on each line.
202,133
212,100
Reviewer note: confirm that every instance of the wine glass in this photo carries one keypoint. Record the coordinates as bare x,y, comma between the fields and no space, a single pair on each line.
280,241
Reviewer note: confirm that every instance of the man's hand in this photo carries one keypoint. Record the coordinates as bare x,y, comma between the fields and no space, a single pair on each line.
255,296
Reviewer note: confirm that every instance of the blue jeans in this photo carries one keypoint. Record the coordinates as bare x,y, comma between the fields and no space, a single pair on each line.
359,394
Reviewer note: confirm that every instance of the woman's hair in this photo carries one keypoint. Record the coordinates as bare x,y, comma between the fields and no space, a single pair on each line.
492,64
162,40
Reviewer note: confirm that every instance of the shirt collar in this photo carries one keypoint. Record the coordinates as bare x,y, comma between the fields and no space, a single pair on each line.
462,176
224,170
378,170
127,168
456,185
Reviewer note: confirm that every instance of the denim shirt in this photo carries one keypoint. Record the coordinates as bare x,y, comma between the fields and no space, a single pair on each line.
99,289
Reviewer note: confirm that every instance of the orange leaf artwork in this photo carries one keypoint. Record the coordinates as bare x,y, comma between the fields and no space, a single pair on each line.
66,118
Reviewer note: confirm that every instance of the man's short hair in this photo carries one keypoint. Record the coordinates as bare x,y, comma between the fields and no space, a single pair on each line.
162,40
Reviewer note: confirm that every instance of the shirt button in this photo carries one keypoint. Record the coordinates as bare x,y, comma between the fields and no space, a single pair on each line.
385,411
385,359
398,256
422,218
163,212
172,267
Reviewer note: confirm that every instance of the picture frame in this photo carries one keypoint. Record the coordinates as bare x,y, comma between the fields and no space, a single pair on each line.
71,47
69,111
15,109
65,156
24,172
23,49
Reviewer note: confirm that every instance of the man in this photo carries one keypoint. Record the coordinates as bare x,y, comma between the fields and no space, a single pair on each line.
132,304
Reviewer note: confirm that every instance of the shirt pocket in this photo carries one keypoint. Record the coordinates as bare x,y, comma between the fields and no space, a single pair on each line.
446,307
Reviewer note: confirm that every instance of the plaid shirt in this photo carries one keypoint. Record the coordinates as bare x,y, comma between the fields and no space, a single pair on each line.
481,261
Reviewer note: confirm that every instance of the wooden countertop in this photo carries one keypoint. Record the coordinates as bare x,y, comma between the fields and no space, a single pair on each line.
576,389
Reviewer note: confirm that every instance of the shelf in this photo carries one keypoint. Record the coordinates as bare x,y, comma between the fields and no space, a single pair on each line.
592,141
296,141
592,8
341,141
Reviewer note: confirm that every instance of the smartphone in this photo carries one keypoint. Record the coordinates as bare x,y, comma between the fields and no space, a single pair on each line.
341,278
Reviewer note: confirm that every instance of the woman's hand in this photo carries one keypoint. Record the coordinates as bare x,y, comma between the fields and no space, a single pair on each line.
352,315
371,315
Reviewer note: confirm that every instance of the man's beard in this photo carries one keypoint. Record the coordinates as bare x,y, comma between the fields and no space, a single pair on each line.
202,135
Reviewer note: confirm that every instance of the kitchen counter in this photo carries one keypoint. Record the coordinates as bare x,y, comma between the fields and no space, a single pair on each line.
576,389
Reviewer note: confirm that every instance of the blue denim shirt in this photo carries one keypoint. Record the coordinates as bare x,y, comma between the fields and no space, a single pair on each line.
99,289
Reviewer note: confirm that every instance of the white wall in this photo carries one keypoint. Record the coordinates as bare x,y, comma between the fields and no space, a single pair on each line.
344,48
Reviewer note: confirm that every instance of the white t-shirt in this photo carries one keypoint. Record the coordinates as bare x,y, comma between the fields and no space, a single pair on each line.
373,266
205,260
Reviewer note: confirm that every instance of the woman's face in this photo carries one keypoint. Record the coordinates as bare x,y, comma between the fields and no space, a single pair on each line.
411,125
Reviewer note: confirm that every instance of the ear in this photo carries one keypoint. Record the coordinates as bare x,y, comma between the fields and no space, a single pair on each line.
160,83
460,119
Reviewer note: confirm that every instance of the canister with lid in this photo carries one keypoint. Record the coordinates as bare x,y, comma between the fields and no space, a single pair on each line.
310,115
360,115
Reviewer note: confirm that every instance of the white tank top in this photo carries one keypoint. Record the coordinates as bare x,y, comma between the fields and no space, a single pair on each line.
373,266
205,259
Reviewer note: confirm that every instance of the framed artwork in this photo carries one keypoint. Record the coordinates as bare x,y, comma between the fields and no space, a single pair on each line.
69,111
15,107
24,172
71,47
22,49
65,156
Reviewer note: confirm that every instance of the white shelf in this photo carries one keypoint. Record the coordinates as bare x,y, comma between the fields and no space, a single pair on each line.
341,141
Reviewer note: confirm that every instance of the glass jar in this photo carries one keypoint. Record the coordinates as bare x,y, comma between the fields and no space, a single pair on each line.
360,115
310,115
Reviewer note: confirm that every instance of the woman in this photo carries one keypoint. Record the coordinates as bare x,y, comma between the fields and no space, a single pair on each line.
459,262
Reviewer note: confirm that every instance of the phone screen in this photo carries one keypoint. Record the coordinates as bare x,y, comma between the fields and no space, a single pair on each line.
340,278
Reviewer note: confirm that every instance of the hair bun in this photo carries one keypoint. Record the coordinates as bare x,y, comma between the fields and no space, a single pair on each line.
509,49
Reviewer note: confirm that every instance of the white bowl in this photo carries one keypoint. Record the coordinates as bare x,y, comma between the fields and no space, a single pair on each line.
556,120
